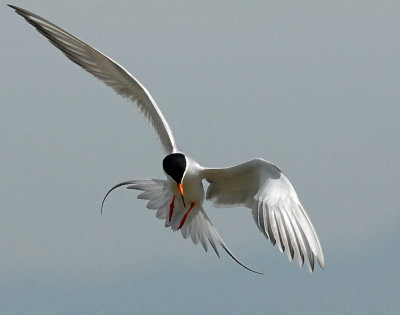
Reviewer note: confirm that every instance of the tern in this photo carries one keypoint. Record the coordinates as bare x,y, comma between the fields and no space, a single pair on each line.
178,200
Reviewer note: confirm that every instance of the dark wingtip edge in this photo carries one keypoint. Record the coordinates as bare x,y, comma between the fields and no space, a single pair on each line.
129,182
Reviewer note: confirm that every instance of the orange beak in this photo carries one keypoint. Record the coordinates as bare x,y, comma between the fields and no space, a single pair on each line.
180,187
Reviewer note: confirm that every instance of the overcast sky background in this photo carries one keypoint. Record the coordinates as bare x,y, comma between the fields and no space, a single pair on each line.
312,86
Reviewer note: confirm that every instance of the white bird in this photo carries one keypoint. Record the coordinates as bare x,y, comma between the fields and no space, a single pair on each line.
255,184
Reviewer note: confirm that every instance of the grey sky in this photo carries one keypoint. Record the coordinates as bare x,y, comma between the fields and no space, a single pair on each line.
310,86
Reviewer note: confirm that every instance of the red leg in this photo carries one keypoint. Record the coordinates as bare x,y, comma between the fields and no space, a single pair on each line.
185,216
171,208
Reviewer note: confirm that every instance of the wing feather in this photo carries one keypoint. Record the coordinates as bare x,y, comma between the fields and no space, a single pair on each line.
291,235
275,229
197,226
276,209
108,71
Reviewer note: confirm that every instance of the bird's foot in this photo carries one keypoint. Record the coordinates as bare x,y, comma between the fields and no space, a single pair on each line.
186,215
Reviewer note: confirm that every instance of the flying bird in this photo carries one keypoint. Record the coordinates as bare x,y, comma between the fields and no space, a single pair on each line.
178,199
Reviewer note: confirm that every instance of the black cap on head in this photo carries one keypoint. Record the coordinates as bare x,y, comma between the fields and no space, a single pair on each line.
175,165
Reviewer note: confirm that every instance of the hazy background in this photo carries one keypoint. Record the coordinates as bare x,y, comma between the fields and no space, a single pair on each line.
312,86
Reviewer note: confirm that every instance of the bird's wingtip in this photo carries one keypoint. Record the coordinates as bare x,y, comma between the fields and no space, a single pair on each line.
13,7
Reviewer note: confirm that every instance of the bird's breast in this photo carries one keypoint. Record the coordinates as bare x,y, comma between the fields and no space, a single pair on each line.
193,190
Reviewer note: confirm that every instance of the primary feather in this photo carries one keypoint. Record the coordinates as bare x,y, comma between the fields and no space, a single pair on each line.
108,71
277,211
198,226
256,184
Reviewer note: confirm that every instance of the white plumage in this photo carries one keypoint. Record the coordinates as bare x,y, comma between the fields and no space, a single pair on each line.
256,184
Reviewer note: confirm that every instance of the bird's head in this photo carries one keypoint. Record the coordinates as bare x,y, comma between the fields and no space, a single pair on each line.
174,165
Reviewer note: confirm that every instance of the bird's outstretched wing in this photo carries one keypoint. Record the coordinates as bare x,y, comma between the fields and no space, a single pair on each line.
197,225
107,70
277,211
